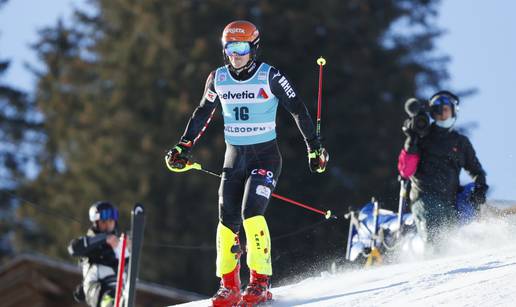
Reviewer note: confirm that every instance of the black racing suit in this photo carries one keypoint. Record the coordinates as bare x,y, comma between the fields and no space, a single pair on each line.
435,184
250,170
99,265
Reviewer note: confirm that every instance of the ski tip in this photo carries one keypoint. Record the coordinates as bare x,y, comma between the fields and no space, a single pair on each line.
138,208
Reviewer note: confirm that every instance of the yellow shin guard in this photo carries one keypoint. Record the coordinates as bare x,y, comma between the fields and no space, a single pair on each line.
258,245
227,255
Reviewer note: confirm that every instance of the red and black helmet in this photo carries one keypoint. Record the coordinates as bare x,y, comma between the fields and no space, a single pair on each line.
241,31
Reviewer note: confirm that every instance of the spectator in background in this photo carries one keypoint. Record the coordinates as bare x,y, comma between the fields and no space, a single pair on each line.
432,161
99,251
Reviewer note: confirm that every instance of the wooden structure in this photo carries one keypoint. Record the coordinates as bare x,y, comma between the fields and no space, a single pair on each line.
39,281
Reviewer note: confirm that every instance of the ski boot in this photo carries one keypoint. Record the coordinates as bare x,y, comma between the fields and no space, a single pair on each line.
257,292
228,294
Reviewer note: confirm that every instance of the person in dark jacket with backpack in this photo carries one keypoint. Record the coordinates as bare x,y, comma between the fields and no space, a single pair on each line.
99,251
433,162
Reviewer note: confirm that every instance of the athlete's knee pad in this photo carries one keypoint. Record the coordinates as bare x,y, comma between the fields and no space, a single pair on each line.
228,250
258,245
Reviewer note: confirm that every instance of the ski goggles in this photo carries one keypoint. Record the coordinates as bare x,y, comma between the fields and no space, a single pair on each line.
108,214
238,48
436,104
443,100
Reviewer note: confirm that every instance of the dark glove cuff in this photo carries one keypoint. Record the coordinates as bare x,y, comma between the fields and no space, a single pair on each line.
313,143
186,145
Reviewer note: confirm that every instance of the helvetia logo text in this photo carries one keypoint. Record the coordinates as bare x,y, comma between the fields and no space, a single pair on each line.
241,95
262,94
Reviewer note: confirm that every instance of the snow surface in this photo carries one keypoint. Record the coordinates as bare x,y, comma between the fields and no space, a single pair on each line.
476,268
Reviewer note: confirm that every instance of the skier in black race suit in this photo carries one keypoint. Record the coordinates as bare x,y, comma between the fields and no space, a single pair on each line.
249,92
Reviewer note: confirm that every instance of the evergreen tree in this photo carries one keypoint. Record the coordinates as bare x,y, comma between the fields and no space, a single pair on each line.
19,139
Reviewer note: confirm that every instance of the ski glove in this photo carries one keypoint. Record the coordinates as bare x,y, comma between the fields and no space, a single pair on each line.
178,156
318,157
412,140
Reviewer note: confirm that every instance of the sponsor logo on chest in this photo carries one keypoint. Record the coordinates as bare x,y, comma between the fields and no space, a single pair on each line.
238,95
258,95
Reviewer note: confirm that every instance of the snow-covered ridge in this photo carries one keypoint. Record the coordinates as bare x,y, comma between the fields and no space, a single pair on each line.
477,267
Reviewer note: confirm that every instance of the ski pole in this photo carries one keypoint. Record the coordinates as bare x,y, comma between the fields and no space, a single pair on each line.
121,268
326,214
321,62
196,166
404,185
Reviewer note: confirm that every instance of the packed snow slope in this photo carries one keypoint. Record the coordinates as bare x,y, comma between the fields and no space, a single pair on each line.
476,268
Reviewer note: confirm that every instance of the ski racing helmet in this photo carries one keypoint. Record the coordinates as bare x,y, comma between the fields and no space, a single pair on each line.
440,99
103,210
240,37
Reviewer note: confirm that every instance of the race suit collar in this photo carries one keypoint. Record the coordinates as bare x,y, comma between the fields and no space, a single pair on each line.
246,72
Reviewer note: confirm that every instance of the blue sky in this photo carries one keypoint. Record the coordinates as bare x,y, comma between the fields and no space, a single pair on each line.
19,22
480,39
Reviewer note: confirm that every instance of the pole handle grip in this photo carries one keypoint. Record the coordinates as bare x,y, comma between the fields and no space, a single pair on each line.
188,166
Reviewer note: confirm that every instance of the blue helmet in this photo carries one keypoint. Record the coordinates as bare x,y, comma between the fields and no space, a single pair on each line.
103,210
